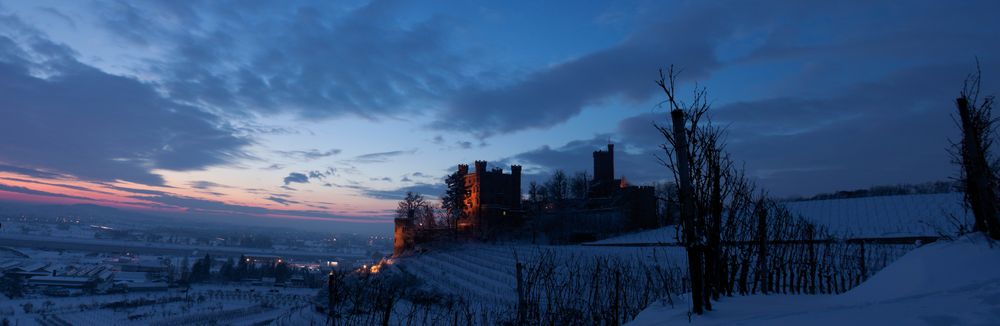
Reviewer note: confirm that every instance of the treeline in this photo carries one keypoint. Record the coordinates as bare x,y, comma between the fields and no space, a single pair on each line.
936,187
561,191
233,270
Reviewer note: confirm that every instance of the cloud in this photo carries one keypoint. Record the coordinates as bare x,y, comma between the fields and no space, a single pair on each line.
430,190
296,177
30,172
550,96
280,200
308,155
61,185
636,163
273,167
81,121
29,191
893,130
380,157
321,175
320,60
204,185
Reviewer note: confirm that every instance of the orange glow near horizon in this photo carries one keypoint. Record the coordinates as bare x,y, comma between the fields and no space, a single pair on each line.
128,195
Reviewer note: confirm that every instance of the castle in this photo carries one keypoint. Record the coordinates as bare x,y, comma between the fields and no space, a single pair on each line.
636,203
492,199
494,208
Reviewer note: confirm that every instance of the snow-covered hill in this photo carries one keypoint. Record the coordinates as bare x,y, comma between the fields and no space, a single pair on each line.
867,217
944,283
886,216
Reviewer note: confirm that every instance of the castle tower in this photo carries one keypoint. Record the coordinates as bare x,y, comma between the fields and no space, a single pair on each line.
604,165
604,173
480,167
403,236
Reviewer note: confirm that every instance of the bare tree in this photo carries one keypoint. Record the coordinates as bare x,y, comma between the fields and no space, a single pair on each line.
557,188
415,207
683,138
979,180
579,186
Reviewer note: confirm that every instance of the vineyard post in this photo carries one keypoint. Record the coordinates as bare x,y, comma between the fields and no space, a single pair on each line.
692,242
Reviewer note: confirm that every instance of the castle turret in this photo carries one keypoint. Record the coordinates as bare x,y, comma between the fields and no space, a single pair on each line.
463,169
480,167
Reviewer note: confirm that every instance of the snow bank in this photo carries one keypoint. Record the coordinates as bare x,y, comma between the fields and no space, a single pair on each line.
945,283
936,267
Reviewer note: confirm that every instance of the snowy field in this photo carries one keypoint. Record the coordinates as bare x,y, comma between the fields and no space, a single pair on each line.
944,283
485,273
886,216
103,245
868,217
241,305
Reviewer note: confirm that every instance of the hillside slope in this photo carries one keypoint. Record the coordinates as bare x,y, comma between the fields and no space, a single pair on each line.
945,283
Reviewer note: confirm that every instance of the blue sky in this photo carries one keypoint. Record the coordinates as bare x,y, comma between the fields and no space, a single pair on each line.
329,110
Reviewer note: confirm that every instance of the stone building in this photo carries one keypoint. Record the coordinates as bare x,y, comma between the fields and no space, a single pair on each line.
492,199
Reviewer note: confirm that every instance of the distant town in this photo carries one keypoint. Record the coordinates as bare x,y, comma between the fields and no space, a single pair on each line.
66,267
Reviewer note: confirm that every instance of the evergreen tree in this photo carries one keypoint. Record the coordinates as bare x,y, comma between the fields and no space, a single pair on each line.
228,270
453,200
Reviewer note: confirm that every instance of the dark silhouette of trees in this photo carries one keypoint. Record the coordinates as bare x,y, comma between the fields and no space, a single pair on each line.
415,206
282,272
453,200
228,270
579,186
535,195
201,270
12,286
978,178
557,189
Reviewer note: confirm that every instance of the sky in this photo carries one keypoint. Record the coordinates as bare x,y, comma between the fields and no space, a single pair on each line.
329,111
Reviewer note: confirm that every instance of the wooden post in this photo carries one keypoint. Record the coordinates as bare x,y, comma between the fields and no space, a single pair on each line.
763,274
811,236
521,309
979,179
692,238
714,264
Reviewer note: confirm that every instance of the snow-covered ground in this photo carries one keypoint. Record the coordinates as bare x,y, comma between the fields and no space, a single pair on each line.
886,216
485,273
868,217
944,283
230,305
